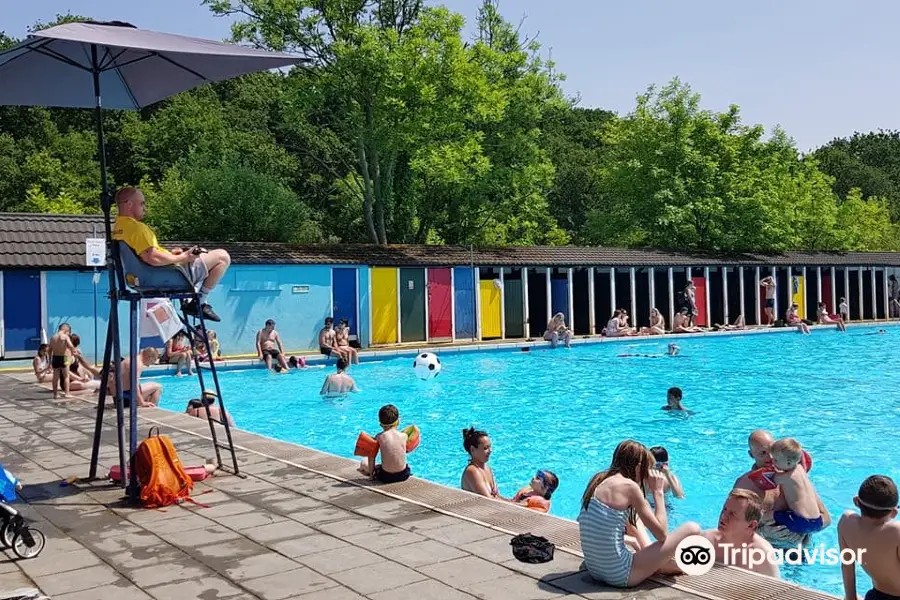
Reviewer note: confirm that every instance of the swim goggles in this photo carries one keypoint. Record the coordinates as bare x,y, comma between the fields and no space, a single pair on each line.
542,475
389,425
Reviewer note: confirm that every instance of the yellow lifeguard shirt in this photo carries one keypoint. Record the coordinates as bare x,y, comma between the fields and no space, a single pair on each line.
134,233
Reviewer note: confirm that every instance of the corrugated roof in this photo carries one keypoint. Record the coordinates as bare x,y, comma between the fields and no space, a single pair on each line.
57,242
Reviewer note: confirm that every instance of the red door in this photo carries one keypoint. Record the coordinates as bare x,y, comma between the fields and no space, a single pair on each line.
440,305
700,284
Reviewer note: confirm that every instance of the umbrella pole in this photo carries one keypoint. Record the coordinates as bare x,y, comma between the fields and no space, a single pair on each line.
112,354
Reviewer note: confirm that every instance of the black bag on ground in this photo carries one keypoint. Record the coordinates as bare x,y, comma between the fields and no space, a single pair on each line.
529,548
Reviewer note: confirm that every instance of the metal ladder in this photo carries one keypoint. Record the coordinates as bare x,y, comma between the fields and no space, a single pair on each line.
193,334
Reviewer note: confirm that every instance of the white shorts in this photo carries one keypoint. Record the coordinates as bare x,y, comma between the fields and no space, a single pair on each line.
196,272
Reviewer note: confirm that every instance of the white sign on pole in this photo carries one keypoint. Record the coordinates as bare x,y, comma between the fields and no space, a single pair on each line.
95,252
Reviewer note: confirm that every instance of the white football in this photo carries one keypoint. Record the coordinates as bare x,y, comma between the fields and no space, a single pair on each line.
427,366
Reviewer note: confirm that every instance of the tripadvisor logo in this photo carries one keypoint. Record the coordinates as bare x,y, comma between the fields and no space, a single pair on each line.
695,555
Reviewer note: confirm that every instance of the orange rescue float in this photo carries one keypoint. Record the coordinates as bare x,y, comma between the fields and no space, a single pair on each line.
366,445
764,478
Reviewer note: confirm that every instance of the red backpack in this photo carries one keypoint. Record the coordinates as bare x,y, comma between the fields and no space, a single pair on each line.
160,473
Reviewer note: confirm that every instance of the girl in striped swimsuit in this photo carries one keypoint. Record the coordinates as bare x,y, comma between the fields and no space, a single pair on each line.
608,524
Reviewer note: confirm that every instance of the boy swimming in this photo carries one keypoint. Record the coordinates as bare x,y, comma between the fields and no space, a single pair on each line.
392,446
803,515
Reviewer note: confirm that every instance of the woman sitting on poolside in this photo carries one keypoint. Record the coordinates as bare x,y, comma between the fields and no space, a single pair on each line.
41,364
615,328
342,340
657,322
478,477
557,330
681,323
826,319
608,524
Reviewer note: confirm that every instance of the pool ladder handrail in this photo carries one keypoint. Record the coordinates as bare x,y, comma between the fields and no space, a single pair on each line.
202,333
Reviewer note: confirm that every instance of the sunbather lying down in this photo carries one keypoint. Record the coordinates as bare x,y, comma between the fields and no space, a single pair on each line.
738,325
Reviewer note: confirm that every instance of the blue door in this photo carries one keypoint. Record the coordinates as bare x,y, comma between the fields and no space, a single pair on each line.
343,292
21,313
559,298
464,299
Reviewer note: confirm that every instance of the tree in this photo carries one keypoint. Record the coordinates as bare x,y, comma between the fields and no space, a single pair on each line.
572,138
228,203
680,177
869,162
439,133
865,224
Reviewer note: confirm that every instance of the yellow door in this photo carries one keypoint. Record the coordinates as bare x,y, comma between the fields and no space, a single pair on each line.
384,306
490,310
797,295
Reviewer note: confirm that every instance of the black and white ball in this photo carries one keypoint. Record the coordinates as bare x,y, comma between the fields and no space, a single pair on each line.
427,365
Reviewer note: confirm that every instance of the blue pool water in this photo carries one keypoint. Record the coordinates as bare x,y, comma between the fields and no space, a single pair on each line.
566,410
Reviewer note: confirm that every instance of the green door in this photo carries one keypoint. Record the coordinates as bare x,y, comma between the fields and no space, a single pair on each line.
513,308
412,305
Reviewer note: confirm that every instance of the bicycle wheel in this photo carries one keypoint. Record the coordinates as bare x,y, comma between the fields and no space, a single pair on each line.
28,543
7,533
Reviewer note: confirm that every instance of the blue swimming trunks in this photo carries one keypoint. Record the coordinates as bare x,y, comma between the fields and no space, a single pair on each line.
798,524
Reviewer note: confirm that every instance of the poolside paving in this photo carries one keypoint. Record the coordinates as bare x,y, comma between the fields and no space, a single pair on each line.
298,523
279,533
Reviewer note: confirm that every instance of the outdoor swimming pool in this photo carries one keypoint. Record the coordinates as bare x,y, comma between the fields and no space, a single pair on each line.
566,410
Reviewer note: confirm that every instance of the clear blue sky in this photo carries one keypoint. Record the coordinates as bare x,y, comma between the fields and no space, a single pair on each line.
820,69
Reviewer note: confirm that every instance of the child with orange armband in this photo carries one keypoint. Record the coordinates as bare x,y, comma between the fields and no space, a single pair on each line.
536,496
392,445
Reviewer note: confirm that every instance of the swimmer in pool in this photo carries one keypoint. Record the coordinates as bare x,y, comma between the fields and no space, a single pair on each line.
673,400
672,350
338,384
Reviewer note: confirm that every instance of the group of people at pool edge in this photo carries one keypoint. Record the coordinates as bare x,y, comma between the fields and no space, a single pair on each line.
616,512
775,499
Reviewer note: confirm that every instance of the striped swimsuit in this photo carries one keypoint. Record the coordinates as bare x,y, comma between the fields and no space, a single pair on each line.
602,531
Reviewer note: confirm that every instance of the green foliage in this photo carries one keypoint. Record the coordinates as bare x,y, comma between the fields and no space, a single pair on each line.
677,176
231,203
869,162
864,224
403,131
38,202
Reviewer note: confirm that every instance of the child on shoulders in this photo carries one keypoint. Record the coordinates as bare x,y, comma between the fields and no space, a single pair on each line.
391,446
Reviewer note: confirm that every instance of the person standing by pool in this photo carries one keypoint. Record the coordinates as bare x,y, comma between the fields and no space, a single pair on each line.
268,346
477,476
769,284
690,298
874,537
556,330
737,527
339,383
844,310
608,524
